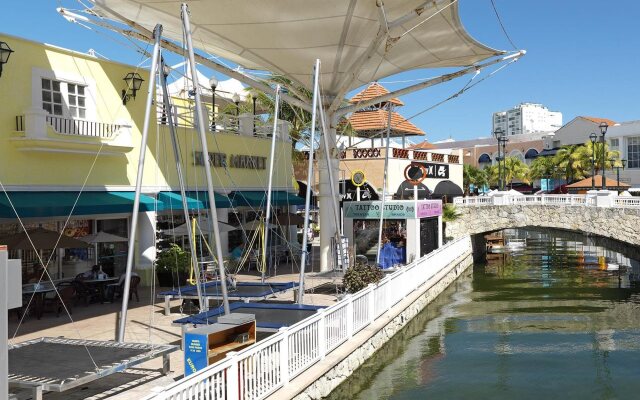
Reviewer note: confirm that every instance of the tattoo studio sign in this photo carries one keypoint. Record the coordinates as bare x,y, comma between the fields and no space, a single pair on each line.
231,160
407,209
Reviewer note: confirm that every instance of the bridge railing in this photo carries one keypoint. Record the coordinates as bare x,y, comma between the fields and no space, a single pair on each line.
261,369
551,199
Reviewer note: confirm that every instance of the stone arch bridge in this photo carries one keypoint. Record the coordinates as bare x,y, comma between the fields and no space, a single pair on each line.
619,220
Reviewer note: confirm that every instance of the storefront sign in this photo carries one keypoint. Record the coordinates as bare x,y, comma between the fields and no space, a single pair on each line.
231,160
439,171
393,209
429,208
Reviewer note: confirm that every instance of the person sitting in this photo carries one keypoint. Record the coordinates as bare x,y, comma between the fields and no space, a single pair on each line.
401,253
91,274
37,275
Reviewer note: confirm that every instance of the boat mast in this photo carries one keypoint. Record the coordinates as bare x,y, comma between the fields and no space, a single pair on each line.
307,198
183,194
136,202
384,181
200,125
265,250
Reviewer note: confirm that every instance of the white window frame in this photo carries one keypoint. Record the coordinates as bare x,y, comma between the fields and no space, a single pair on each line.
65,78
630,165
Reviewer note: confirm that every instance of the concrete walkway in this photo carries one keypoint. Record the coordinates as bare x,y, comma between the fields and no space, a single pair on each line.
146,323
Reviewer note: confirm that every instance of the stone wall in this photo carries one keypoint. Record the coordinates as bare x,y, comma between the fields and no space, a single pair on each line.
347,366
621,224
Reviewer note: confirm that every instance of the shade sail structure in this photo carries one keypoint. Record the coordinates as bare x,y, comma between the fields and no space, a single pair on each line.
255,225
41,239
103,237
57,204
287,36
259,199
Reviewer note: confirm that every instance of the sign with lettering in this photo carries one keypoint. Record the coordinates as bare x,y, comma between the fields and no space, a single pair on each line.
397,209
438,171
231,160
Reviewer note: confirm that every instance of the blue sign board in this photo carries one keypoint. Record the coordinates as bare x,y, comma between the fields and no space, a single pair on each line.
195,352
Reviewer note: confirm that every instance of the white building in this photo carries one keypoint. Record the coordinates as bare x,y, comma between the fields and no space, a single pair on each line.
527,118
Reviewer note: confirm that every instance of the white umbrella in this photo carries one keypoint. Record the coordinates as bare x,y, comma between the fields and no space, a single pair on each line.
254,225
202,227
103,237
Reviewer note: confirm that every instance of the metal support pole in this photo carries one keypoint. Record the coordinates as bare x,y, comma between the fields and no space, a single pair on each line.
181,182
157,32
310,179
332,185
593,166
499,168
384,182
266,251
4,335
213,216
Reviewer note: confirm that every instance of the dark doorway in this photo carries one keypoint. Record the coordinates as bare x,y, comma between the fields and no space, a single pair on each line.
428,235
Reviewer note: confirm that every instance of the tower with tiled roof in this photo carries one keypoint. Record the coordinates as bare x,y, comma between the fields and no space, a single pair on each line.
372,121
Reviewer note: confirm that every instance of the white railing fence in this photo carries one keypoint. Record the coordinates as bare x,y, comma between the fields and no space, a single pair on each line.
261,369
551,199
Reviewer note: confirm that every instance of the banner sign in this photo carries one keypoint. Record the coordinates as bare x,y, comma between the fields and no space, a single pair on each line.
397,209
429,208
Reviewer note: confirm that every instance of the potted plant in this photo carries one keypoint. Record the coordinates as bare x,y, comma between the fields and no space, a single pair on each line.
172,266
360,276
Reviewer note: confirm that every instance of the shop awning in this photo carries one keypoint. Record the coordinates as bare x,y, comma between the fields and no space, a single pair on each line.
60,204
173,201
256,198
202,196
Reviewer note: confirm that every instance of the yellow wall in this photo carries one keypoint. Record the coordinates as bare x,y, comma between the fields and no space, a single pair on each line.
43,163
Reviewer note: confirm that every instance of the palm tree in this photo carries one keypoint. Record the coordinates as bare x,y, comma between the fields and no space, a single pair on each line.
570,160
541,167
473,176
515,168
587,151
491,175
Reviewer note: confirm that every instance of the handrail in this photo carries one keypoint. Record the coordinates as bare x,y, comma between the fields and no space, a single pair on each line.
259,370
79,127
548,199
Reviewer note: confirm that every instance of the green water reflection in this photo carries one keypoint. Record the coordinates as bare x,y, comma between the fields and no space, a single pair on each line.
546,322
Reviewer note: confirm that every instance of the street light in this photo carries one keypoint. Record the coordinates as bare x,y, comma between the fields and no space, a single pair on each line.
593,137
213,83
236,99
603,131
499,134
254,97
5,52
617,167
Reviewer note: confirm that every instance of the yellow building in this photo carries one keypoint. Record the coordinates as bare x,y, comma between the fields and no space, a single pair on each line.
69,147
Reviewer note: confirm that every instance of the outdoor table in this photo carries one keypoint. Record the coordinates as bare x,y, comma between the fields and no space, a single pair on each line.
39,291
100,284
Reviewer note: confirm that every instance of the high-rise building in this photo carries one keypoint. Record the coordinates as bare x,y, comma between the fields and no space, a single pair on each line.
527,118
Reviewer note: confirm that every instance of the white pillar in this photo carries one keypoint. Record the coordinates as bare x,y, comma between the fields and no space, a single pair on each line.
223,216
326,204
146,240
413,239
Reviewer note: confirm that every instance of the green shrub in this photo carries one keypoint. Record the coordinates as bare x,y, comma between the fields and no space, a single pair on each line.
360,276
173,259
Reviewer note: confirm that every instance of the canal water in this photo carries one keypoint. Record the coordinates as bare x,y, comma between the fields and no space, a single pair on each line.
549,320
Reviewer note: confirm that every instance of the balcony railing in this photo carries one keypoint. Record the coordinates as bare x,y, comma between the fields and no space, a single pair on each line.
78,127
244,124
609,200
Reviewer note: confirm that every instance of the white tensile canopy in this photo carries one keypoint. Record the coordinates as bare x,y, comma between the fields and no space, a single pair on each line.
286,36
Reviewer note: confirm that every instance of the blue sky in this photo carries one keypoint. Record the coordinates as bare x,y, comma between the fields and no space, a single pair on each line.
582,58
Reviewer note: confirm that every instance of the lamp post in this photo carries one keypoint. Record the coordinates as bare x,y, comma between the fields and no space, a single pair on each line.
593,137
236,101
253,100
213,83
499,134
603,131
617,167
5,52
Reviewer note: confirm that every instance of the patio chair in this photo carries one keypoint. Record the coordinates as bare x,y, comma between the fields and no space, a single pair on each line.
63,299
133,288
85,292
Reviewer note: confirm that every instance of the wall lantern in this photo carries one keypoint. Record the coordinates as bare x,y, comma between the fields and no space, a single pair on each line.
5,52
134,82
